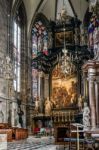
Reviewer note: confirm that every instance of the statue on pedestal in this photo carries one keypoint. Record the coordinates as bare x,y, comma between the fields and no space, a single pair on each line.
48,106
86,117
37,105
20,114
80,102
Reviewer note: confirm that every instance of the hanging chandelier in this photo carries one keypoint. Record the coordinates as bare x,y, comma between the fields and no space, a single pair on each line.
66,61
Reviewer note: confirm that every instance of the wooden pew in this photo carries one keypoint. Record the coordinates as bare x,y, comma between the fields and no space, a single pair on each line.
20,133
13,133
8,132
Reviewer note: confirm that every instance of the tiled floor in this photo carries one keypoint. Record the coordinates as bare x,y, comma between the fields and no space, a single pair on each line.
32,143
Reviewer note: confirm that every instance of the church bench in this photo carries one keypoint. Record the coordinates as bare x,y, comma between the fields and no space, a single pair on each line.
20,133
8,132
13,132
4,126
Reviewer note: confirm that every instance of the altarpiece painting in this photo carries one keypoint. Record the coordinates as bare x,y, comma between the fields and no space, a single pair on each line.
64,89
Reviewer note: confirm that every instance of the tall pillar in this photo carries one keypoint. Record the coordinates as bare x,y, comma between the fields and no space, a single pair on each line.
46,86
97,101
41,90
92,70
92,101
85,86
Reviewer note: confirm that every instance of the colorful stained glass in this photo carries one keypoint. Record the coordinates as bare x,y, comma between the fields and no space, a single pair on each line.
39,39
39,45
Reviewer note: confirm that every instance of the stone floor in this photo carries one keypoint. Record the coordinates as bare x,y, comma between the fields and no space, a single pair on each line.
36,143
33,143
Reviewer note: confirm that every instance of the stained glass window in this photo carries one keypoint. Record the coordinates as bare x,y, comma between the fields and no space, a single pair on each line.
39,39
39,45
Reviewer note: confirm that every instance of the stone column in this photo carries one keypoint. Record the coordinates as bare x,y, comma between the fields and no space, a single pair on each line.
41,91
87,89
46,86
14,115
85,83
97,101
39,82
92,69
84,86
92,101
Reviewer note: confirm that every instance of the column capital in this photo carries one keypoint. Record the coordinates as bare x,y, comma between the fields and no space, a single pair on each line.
91,78
46,76
92,72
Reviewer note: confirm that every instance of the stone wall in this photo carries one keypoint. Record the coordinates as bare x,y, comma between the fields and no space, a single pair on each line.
3,25
4,9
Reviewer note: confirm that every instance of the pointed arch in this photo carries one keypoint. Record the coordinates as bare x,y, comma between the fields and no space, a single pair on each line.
19,40
37,17
39,42
15,7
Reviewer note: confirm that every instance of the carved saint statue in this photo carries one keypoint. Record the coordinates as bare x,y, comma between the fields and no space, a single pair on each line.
20,114
80,102
86,117
37,103
48,106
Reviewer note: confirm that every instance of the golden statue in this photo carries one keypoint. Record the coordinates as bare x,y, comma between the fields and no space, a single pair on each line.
37,103
80,102
48,106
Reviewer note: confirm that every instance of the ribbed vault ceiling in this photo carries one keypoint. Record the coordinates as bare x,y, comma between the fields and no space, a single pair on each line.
48,8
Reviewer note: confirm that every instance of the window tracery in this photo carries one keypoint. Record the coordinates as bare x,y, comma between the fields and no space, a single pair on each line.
39,45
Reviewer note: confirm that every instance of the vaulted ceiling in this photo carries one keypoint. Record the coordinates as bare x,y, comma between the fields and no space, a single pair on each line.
48,8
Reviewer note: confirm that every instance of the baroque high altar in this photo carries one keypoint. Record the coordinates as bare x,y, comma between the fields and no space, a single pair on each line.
68,92
63,86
